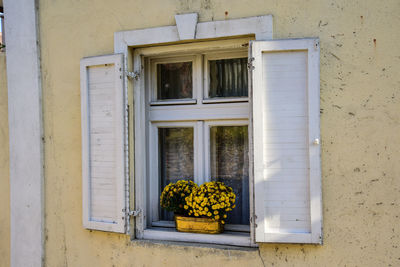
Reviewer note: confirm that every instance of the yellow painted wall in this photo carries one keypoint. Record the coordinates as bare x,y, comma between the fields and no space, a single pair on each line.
360,125
4,169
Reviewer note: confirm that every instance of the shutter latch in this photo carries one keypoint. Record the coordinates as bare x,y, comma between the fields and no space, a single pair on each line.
316,141
132,74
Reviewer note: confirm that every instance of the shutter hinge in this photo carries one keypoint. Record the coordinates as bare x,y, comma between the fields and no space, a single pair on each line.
250,65
253,218
132,74
132,213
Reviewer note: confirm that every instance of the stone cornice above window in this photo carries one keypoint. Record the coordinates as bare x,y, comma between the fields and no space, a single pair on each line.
260,26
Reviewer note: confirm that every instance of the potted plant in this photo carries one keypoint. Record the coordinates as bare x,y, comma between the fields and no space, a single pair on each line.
198,209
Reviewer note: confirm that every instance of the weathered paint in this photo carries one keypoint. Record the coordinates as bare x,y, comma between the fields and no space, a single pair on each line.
4,169
25,133
360,98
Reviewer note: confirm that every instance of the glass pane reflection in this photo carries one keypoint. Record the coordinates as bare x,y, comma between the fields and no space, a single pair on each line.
228,78
176,159
174,80
229,160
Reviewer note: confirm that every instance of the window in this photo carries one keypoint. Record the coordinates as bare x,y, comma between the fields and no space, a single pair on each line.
173,81
225,77
188,99
193,133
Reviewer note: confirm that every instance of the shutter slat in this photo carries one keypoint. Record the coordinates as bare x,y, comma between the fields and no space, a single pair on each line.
285,118
103,143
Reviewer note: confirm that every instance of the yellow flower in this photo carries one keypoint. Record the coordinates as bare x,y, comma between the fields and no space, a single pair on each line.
217,217
209,214
225,216
215,212
223,222
186,207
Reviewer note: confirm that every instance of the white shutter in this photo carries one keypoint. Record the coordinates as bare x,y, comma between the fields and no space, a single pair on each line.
285,118
103,162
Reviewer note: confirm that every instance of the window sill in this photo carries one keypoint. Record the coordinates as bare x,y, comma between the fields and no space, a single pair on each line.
166,243
225,100
228,227
173,102
226,238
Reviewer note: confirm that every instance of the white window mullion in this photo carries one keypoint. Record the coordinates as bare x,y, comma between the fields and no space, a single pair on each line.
198,79
199,154
207,164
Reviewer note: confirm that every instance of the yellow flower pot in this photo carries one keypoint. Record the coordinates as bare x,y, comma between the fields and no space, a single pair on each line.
198,225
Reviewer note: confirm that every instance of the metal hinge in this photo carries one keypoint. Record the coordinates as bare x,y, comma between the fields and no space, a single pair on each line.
132,74
253,220
133,213
250,65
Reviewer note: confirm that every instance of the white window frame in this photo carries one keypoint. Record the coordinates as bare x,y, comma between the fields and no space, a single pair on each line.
200,117
125,42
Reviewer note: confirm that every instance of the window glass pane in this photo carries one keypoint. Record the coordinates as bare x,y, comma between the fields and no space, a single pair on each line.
229,160
228,77
176,159
174,80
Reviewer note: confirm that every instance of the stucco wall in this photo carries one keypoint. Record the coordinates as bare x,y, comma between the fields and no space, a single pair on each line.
360,115
4,169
